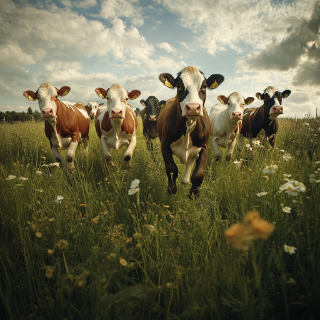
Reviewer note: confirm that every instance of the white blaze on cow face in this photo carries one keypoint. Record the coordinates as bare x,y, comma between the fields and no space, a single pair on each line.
46,98
235,103
272,102
117,98
191,105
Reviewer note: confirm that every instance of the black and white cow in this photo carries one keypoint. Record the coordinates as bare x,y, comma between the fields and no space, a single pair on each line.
263,120
149,117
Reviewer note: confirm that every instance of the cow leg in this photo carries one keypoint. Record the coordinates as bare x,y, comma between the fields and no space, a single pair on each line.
240,144
57,156
148,143
217,153
272,140
71,154
171,168
106,152
126,164
198,173
86,144
186,176
230,148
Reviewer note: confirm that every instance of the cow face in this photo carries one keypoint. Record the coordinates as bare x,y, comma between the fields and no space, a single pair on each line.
92,108
46,96
273,100
191,89
117,98
235,103
152,108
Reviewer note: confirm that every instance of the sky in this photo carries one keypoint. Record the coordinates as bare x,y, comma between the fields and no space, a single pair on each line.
86,44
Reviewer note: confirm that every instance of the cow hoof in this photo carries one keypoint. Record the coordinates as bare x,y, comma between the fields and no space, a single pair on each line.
194,193
110,163
228,157
127,158
172,190
184,183
217,157
70,165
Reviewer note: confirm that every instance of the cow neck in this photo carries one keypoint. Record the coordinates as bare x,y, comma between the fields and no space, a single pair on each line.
265,115
53,122
232,127
188,125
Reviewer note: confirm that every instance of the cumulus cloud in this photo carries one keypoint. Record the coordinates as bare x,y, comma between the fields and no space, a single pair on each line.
166,46
299,50
111,9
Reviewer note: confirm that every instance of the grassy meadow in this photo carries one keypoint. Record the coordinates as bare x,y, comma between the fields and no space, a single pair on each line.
100,253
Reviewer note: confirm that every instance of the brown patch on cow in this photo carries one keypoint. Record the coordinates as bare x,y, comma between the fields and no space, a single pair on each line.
48,130
134,94
71,122
130,122
105,123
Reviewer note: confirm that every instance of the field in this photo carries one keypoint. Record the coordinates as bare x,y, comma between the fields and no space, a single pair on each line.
100,253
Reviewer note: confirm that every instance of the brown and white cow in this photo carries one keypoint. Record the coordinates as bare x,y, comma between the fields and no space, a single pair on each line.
263,120
149,117
116,124
92,108
184,126
226,122
66,123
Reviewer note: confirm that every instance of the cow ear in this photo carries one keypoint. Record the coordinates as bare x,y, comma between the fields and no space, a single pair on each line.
214,81
249,100
134,94
143,102
101,92
223,99
286,94
259,96
162,103
168,80
63,91
30,95
101,104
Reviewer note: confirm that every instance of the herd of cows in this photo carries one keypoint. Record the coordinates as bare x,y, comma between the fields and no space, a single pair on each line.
181,123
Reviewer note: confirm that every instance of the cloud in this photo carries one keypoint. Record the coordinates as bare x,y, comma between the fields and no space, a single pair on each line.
166,46
111,9
299,50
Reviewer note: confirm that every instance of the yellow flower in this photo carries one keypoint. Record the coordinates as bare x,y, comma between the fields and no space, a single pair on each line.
38,234
241,235
123,262
49,271
50,251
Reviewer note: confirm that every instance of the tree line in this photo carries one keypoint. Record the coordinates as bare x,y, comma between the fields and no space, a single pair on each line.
11,116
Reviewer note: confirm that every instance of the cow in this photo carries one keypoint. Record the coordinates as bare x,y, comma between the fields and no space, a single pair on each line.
226,122
92,108
137,112
149,117
116,124
184,126
263,120
66,123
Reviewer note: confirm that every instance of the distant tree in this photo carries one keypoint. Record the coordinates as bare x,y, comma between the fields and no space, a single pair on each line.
30,111
37,115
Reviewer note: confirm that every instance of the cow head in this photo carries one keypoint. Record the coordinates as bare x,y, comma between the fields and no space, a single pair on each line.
235,103
92,108
117,98
273,100
152,107
46,96
191,89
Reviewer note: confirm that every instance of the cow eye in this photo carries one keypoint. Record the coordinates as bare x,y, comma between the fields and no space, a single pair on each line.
108,98
178,87
127,99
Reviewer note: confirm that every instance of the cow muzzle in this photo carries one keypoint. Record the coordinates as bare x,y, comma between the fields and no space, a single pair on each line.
152,118
117,113
47,113
237,115
277,109
193,109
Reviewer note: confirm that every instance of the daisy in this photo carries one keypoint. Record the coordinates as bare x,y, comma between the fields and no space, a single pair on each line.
256,143
270,169
59,199
11,177
134,184
261,194
317,163
287,175
312,178
292,187
286,209
133,191
23,178
38,172
286,156
289,249
248,147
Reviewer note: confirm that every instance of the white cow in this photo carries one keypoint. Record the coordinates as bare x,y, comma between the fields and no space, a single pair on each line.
226,122
92,108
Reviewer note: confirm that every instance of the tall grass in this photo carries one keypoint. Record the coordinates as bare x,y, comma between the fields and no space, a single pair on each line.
152,255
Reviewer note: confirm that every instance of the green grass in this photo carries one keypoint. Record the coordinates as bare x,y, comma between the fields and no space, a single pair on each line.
181,270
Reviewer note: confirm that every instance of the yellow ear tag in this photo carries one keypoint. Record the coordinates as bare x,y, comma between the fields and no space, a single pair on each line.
285,96
221,100
30,98
134,97
249,102
101,96
168,84
214,85
143,103
259,97
65,93
162,106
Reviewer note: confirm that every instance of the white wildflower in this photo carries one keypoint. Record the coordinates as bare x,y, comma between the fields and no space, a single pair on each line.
270,169
286,209
23,178
287,175
38,172
289,249
11,177
133,191
286,156
281,150
312,178
40,190
134,184
261,194
292,187
59,199
256,143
